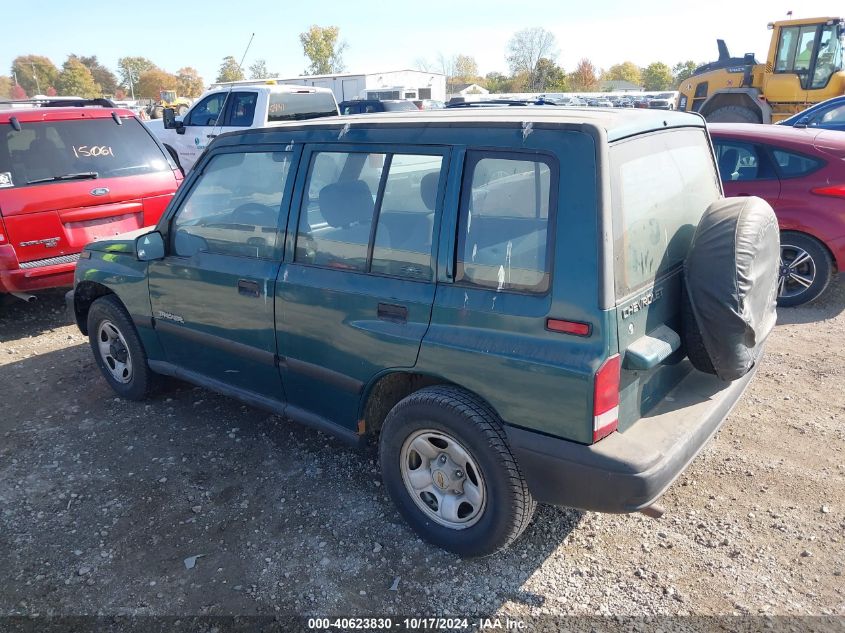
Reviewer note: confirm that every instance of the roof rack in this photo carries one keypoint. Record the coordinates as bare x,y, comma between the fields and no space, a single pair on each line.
60,102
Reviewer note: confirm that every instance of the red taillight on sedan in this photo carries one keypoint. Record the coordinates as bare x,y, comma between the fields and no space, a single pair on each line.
606,398
835,191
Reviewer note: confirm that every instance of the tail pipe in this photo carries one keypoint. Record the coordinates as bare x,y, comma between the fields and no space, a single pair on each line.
25,297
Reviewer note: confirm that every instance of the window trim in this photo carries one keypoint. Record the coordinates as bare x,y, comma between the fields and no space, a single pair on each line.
471,158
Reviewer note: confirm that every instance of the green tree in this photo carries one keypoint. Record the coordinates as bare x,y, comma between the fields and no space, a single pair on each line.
152,82
130,69
549,77
5,87
230,70
76,80
496,82
583,78
626,71
102,75
683,71
323,49
526,48
188,82
657,76
35,73
258,70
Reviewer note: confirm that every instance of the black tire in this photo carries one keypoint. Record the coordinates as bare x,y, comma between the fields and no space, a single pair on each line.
819,268
693,342
109,310
733,114
508,507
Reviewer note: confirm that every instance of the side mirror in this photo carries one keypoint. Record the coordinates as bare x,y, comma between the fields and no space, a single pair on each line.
168,117
149,247
804,121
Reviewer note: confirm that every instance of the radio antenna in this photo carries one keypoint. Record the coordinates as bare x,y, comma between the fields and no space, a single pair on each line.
240,68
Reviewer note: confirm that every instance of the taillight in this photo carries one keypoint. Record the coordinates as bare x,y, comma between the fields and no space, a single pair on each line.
3,238
837,191
606,398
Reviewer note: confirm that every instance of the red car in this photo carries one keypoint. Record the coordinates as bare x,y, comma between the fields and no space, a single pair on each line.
801,173
72,172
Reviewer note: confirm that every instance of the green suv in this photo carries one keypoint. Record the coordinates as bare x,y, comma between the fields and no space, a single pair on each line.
520,305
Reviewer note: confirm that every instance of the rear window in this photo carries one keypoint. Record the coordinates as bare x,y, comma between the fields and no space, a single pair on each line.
794,165
290,106
661,185
399,106
46,150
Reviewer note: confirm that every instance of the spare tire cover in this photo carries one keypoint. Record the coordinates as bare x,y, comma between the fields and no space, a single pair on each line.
731,274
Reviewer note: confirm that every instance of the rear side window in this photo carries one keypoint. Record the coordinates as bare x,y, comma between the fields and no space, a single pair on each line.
233,208
504,226
661,184
43,151
290,106
792,165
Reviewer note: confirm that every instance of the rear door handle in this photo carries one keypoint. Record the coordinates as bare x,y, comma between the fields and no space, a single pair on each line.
210,136
392,312
248,288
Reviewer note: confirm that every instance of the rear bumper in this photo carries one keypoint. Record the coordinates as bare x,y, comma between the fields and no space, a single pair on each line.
628,471
30,276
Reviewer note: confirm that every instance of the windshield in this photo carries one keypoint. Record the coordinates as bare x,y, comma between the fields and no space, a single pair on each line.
56,151
289,106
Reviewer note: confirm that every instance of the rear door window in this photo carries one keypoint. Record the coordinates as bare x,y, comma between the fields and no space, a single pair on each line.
505,223
661,184
242,109
45,150
740,161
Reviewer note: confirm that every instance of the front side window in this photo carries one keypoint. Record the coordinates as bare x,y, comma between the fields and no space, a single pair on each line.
742,161
833,115
370,212
45,151
234,207
829,57
504,224
208,112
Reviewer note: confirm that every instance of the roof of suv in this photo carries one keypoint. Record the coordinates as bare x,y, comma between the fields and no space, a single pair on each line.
28,113
618,123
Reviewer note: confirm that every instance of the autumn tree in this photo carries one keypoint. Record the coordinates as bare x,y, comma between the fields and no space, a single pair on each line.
152,82
466,68
18,92
683,71
102,75
130,69
230,70
34,73
321,46
76,80
583,78
626,71
657,76
526,48
188,82
5,87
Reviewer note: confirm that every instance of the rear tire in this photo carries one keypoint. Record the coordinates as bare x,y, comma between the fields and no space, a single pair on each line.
693,343
806,269
446,464
733,114
117,349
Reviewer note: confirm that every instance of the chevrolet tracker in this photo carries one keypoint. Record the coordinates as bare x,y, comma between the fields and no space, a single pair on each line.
520,305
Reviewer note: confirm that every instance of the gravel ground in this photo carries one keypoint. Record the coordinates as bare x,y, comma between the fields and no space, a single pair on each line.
192,503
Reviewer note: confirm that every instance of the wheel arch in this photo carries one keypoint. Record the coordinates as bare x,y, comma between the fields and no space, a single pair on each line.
84,295
813,235
741,97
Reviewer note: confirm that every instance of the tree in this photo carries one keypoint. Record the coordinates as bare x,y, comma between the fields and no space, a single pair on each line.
583,78
76,80
188,82
497,82
466,68
130,69
230,70
5,87
258,70
526,48
18,92
321,46
657,76
683,71
626,71
102,75
549,77
34,73
152,82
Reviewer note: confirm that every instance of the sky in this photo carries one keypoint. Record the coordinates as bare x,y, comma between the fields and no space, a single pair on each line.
386,35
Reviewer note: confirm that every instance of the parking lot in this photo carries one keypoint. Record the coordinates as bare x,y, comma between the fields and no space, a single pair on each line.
192,503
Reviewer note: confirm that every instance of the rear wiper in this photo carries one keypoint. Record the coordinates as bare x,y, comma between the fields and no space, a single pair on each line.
83,175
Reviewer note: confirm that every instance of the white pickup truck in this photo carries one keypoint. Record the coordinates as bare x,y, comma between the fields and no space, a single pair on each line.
236,107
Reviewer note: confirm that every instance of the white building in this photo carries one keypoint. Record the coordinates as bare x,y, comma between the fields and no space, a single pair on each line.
394,84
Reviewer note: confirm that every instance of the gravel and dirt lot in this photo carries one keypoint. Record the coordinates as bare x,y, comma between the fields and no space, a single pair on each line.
192,503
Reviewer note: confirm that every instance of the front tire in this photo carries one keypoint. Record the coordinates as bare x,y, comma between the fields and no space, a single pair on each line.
118,349
733,114
446,464
806,268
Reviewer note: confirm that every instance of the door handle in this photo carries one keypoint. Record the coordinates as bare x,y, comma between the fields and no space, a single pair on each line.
210,136
393,313
248,288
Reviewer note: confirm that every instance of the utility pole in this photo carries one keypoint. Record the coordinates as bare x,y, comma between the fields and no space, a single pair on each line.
131,82
35,75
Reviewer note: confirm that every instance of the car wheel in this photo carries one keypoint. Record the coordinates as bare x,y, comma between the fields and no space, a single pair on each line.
733,114
806,269
118,349
446,464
